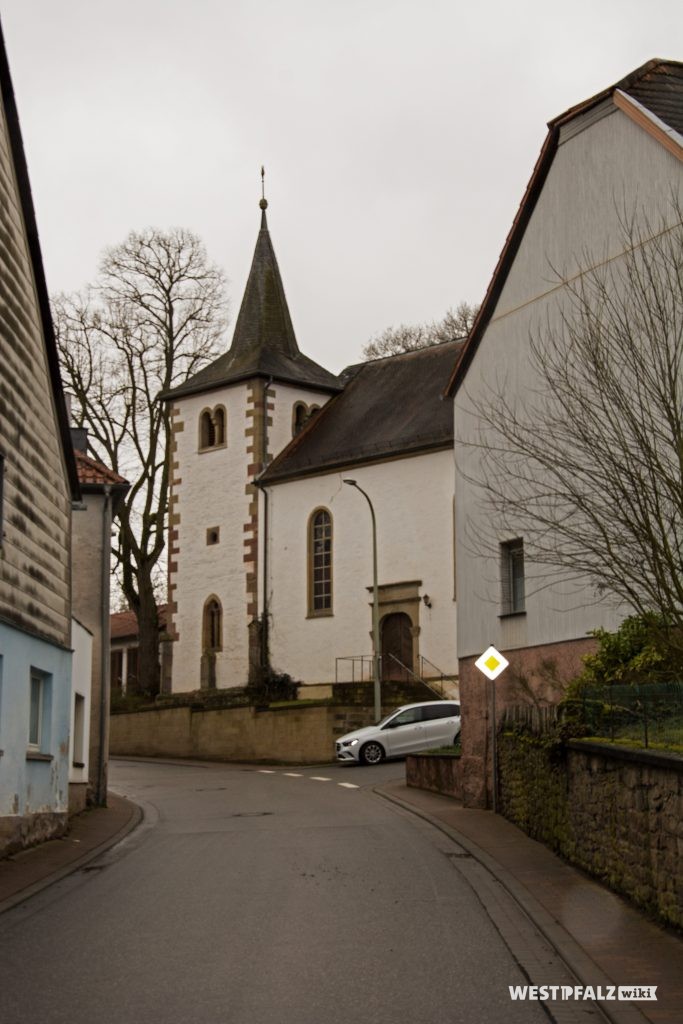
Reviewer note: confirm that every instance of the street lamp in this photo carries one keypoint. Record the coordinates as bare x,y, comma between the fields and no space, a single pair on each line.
375,606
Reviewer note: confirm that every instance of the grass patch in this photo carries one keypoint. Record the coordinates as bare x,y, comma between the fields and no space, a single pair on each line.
454,751
635,743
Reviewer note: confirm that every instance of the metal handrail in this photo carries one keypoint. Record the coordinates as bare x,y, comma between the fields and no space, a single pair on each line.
363,676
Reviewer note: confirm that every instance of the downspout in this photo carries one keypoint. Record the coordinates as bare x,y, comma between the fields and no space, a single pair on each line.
101,792
264,616
264,459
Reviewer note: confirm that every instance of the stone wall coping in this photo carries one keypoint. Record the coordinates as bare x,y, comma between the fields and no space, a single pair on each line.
655,758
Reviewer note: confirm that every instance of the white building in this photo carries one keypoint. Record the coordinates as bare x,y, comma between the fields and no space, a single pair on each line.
391,433
273,569
617,154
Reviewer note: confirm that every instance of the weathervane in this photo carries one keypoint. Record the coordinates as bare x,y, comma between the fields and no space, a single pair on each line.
264,202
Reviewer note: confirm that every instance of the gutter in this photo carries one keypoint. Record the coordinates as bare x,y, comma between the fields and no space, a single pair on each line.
262,487
101,787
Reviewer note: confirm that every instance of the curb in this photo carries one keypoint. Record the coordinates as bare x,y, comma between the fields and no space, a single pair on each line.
575,958
75,865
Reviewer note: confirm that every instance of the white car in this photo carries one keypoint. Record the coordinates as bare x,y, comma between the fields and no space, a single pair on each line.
435,723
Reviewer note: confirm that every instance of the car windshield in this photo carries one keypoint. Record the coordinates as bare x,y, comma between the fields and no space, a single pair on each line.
386,718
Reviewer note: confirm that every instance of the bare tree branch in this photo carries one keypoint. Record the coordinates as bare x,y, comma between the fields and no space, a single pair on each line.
587,462
455,326
155,316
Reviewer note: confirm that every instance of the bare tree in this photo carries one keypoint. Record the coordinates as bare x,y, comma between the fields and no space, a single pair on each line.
588,465
455,326
153,319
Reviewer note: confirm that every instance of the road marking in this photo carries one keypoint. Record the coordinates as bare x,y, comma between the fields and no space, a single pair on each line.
319,778
266,771
293,775
348,785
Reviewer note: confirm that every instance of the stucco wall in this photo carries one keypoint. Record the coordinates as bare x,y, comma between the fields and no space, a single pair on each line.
33,792
537,674
610,168
91,607
291,735
81,669
413,500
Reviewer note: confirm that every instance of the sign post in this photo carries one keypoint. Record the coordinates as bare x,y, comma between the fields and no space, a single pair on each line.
492,663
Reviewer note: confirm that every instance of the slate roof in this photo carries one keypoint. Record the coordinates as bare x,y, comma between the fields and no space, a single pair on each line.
389,407
657,86
264,343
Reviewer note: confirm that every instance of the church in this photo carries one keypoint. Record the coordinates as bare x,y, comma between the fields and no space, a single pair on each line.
278,470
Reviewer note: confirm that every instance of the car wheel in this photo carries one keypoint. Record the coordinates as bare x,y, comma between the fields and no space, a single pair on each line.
371,753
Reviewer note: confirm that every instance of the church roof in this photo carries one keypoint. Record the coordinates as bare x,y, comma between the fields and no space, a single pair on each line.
389,407
264,343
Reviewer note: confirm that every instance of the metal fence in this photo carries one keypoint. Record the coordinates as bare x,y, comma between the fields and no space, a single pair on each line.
647,715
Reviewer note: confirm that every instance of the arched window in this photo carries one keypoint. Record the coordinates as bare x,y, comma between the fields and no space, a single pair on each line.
212,625
212,428
207,434
219,425
320,563
299,417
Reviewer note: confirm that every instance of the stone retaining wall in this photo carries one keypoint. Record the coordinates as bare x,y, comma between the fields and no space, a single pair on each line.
615,812
436,772
291,735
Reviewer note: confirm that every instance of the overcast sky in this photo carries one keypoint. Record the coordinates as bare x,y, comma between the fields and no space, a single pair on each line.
398,135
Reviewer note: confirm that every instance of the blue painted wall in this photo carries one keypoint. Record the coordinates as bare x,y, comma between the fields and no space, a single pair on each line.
26,786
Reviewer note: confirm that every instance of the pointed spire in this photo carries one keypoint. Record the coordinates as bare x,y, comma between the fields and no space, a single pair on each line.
264,343
264,325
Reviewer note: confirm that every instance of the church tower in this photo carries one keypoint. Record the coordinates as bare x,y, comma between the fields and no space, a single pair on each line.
228,421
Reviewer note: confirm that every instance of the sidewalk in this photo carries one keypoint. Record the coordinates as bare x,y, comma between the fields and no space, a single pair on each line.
90,834
600,937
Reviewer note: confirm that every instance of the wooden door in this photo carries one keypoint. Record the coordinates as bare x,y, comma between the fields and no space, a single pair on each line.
397,647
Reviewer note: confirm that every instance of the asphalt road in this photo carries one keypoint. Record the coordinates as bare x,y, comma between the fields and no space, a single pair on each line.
257,897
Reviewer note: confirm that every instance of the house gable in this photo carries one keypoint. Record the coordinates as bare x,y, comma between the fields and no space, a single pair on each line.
39,470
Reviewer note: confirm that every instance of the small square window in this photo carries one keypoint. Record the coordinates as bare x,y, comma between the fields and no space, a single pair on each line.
512,577
213,535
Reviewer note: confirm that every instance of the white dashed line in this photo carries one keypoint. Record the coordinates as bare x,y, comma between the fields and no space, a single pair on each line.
315,778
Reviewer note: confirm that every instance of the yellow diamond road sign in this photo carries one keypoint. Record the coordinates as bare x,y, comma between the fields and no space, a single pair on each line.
492,663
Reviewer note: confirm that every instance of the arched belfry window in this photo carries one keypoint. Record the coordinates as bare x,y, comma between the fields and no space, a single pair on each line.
212,625
299,417
320,563
212,428
219,425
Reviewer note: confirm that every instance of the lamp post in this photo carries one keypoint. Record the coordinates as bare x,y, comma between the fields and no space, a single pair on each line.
375,607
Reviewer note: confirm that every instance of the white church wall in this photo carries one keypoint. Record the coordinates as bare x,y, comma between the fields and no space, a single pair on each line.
413,500
611,167
210,494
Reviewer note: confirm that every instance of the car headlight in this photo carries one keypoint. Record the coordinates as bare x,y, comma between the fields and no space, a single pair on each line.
349,743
